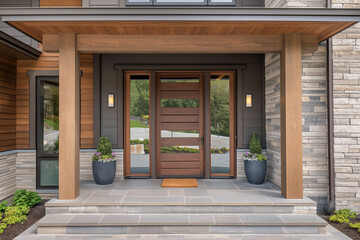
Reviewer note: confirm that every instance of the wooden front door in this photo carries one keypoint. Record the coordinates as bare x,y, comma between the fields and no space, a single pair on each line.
180,124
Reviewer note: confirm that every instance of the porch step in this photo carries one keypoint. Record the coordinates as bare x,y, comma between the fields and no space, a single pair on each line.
181,224
246,208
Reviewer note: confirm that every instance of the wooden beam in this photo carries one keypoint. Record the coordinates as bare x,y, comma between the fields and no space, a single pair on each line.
179,43
291,118
69,111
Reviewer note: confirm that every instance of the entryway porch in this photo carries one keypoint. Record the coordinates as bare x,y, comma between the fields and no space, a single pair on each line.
217,206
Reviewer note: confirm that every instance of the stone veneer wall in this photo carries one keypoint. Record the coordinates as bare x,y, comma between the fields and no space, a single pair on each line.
7,174
314,114
346,61
86,165
18,169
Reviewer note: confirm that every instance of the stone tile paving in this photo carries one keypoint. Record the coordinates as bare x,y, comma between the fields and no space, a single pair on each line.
331,234
148,191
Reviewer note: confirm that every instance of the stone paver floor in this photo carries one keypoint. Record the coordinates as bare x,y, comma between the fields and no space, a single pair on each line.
209,192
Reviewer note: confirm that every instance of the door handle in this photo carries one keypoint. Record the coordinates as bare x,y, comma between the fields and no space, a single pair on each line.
202,141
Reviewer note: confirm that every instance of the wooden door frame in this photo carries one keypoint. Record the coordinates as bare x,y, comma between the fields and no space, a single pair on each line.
201,76
152,69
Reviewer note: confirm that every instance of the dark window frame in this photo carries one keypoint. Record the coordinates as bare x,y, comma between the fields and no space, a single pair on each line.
180,3
40,156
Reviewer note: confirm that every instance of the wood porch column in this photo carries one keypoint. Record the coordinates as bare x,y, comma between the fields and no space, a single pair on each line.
69,112
291,118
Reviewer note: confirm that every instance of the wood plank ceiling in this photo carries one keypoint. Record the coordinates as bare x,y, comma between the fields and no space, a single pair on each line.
322,29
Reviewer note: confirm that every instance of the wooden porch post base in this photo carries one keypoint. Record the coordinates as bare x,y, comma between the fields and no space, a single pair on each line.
291,118
69,111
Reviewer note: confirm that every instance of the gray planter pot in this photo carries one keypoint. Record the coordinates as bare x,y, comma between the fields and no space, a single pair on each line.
255,171
104,172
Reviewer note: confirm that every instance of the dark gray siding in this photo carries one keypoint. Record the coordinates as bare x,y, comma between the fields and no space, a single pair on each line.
252,83
13,32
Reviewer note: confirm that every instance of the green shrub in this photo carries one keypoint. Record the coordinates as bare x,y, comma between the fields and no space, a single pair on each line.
342,216
25,198
355,225
255,146
12,215
3,206
104,146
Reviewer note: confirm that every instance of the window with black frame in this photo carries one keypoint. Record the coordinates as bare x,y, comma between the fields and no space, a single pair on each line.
180,2
47,147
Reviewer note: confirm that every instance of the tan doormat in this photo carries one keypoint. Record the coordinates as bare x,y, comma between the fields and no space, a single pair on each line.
179,183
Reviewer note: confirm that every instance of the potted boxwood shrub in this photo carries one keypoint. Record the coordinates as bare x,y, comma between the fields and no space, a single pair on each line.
104,163
255,162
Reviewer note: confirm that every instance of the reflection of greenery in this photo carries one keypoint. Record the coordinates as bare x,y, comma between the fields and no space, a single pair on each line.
56,143
52,122
175,149
139,98
220,108
138,124
175,103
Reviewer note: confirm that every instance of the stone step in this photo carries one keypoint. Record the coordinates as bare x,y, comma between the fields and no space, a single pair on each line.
197,208
181,224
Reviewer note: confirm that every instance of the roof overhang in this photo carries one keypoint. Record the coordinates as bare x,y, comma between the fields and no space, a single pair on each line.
321,22
16,49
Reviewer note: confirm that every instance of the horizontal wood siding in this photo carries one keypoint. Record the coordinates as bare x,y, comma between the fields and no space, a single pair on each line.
50,61
7,103
86,101
62,3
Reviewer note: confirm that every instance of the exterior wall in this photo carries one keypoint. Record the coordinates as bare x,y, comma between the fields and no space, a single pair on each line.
346,74
7,174
86,164
346,71
63,3
25,177
252,83
315,170
50,61
7,103
272,115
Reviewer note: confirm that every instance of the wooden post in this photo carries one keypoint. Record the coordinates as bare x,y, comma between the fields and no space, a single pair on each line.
69,112
291,118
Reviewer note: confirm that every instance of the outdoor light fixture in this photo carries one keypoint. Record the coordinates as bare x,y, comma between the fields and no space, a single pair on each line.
248,100
111,100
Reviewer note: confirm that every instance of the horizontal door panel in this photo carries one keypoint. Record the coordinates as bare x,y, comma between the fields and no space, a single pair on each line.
179,94
180,119
166,157
175,141
177,86
179,111
179,126
180,171
183,165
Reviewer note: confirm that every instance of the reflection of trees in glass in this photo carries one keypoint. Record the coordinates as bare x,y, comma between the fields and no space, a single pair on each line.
50,98
174,103
139,98
220,124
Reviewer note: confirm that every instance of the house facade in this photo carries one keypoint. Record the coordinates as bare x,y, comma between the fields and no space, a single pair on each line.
179,90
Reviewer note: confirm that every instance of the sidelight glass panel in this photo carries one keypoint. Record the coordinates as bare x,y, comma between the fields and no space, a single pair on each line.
220,124
139,124
49,173
50,117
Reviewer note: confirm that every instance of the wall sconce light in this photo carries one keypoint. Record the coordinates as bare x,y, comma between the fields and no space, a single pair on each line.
111,100
248,100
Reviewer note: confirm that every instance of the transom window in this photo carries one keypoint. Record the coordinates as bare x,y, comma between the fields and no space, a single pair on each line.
180,2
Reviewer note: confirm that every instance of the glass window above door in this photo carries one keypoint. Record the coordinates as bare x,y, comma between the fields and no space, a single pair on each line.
181,2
